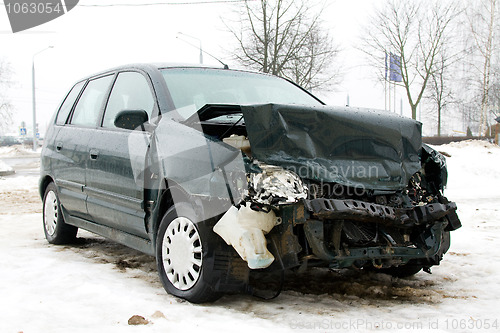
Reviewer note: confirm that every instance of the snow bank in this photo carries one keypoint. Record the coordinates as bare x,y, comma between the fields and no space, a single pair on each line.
5,169
472,144
473,168
24,183
18,151
19,195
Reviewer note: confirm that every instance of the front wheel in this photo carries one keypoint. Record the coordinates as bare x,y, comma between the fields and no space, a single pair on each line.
181,249
55,229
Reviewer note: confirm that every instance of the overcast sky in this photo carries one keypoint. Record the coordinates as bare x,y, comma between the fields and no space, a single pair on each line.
88,39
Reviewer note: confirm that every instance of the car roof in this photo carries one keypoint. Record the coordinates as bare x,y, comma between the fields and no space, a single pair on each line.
154,67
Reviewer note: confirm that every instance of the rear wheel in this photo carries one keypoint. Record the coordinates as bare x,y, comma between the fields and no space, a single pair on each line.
55,229
181,249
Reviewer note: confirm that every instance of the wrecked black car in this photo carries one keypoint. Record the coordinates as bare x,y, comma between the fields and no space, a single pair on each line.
224,174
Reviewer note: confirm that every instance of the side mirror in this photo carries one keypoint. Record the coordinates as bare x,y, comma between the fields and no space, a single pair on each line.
131,119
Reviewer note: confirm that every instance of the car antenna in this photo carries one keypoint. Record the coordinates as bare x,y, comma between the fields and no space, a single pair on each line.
211,55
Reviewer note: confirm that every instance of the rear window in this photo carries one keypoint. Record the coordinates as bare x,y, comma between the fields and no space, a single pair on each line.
68,103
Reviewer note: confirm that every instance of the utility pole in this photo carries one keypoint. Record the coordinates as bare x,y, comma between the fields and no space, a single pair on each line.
35,129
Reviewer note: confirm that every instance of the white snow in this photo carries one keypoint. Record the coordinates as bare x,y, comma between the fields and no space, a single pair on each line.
25,183
97,285
4,168
19,150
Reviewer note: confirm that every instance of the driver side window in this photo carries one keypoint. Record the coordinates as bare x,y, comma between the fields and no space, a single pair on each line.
131,91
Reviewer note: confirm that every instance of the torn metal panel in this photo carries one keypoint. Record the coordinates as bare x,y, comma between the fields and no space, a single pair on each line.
200,165
352,147
434,167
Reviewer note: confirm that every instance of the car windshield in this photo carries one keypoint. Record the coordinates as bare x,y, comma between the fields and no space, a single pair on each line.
192,88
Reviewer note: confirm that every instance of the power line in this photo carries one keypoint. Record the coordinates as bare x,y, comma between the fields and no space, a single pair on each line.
201,2
162,3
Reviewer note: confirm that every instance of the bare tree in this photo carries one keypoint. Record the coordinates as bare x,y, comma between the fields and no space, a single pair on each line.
5,106
439,91
494,97
483,17
416,32
286,38
444,84
494,91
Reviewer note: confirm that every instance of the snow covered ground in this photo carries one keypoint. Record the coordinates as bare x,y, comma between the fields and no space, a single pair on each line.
18,150
5,169
97,285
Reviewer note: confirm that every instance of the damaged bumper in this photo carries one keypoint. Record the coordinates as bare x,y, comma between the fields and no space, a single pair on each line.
433,221
385,235
324,220
370,212
430,250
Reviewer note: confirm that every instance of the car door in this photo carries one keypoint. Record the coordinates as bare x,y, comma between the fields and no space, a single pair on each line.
115,173
69,148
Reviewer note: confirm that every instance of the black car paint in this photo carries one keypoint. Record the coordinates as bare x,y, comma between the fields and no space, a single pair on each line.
104,192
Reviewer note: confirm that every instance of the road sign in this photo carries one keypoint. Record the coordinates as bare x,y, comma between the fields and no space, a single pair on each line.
23,131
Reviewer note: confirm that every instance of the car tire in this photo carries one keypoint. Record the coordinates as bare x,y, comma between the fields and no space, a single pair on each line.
55,228
182,254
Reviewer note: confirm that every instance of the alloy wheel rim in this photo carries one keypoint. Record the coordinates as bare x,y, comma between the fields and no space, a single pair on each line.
182,253
50,213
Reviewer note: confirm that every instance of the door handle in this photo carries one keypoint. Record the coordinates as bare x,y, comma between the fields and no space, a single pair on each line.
59,146
94,154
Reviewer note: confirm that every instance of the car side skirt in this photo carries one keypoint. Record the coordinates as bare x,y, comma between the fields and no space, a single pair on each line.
135,242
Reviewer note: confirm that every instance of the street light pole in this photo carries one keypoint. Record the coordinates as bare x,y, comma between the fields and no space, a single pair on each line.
35,141
201,54
199,40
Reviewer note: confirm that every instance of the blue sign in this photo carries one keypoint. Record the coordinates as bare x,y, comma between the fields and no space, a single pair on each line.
393,67
23,131
38,135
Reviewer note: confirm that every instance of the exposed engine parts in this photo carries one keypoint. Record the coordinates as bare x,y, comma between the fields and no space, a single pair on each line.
275,186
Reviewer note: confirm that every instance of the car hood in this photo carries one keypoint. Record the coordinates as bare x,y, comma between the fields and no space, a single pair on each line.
353,147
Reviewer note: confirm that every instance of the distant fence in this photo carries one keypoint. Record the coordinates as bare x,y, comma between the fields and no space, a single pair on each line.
442,140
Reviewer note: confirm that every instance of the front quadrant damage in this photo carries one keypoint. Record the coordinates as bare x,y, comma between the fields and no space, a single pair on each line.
390,214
